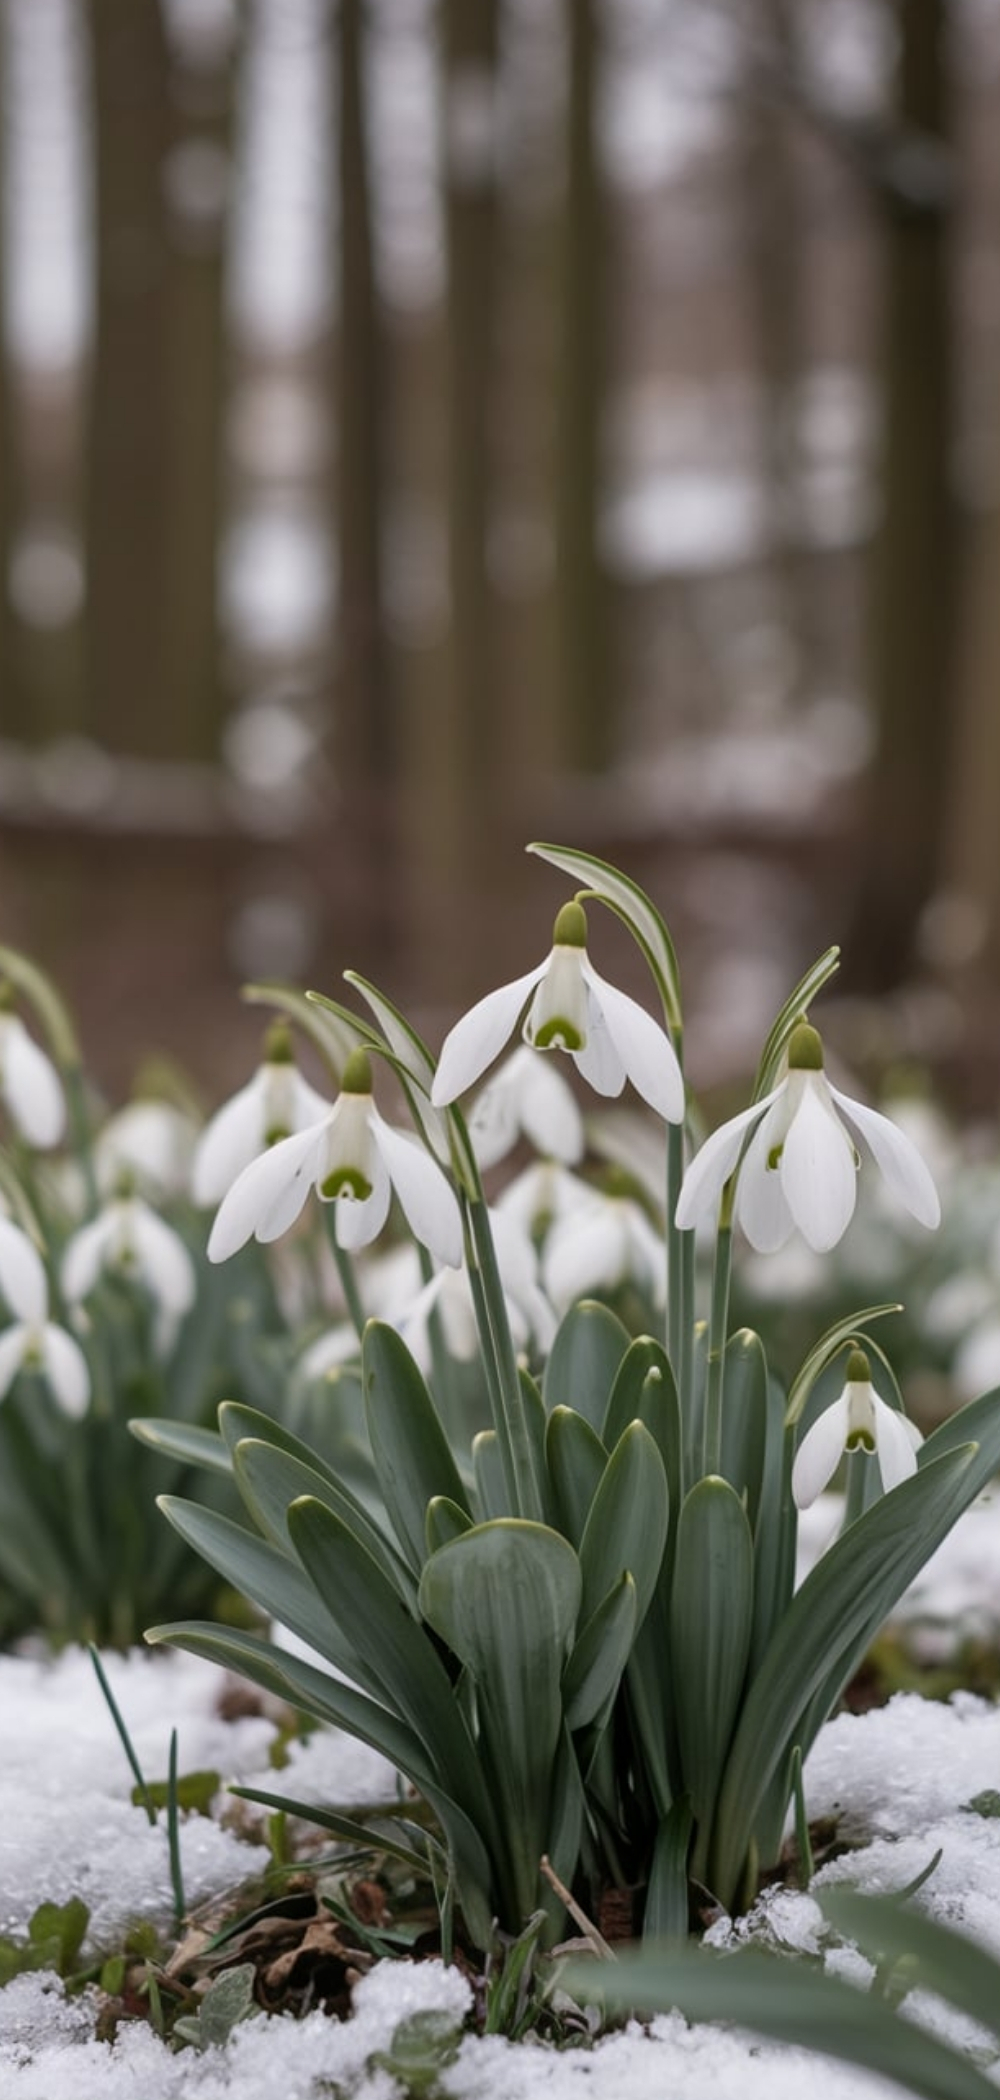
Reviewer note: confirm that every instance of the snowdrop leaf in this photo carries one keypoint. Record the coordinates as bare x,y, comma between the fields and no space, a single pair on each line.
414,1064
412,1455
505,1598
575,1460
270,1578
710,1625
666,1913
593,1672
395,1646
769,1070
445,1521
488,1474
745,1418
823,1635
584,1361
942,1961
627,1525
644,1369
183,1441
630,903
786,2002
381,1839
270,1480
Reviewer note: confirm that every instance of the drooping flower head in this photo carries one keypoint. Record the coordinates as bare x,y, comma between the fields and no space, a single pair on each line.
353,1159
800,1166
527,1097
33,1342
276,1103
566,1006
129,1239
30,1087
859,1420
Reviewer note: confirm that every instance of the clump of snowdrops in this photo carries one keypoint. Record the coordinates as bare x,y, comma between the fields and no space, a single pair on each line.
546,1565
108,1305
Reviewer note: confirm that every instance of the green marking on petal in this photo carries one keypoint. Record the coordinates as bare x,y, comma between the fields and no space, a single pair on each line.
357,1077
558,1034
346,1181
774,1158
805,1049
275,1133
570,929
859,1440
859,1370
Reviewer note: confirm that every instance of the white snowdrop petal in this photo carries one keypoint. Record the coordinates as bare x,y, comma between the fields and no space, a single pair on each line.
897,1159
359,1220
761,1209
310,1106
584,1252
600,1062
429,1203
30,1085
712,1165
234,1136
550,1112
258,1190
897,1457
493,1120
84,1257
13,1343
644,1047
167,1268
818,1455
22,1274
818,1172
66,1370
479,1037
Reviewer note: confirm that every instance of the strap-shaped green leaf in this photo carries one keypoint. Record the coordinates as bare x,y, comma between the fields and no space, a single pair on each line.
575,1459
398,1649
797,1003
787,2002
377,1835
627,1525
445,1521
829,1622
945,1962
270,1480
505,1598
666,1913
745,1418
488,1475
594,1670
271,1579
584,1361
183,1441
412,1455
710,1639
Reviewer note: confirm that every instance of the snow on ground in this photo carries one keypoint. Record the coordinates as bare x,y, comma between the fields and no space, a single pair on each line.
899,1780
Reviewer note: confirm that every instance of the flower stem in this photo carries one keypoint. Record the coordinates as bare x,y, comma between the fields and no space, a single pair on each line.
510,1419
717,1325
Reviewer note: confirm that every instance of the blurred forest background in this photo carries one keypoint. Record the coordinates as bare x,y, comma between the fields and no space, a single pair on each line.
430,424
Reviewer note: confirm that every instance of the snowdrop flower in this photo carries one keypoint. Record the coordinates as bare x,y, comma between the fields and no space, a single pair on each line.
30,1086
800,1167
600,1243
354,1160
276,1103
858,1421
33,1342
526,1096
127,1236
569,1007
150,1141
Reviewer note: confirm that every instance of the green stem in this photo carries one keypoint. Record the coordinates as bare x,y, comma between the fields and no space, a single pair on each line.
717,1325
511,1421
79,1123
442,1366
345,1270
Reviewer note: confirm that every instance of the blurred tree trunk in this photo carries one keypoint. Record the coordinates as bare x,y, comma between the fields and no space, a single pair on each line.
153,465
913,557
587,725
365,738
465,735
971,874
